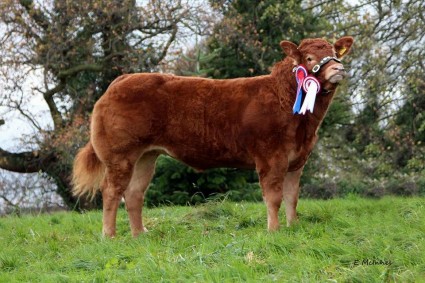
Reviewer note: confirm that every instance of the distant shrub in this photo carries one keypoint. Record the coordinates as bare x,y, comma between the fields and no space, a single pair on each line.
403,188
421,185
350,186
403,185
326,190
377,191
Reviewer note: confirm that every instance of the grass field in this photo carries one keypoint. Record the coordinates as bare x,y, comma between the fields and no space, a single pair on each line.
340,240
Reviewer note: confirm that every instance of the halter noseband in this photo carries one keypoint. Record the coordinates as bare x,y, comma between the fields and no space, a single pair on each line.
322,62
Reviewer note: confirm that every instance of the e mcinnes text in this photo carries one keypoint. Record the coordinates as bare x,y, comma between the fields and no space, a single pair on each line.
367,261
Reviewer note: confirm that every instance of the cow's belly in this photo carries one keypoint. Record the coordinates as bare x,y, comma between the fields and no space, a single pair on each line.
206,158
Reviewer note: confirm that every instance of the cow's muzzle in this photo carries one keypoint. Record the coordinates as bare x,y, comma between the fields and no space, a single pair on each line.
338,73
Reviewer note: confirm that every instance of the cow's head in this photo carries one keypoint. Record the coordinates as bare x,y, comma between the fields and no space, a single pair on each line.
321,58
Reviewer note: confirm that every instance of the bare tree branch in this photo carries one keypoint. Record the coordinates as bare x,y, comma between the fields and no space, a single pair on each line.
55,113
80,68
24,162
27,115
167,45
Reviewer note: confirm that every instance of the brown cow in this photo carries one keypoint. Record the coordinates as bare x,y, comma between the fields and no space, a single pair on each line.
205,123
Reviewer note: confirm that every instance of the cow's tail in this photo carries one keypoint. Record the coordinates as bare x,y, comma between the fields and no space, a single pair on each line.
88,172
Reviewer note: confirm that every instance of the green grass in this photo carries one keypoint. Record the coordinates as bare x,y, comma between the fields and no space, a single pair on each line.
222,242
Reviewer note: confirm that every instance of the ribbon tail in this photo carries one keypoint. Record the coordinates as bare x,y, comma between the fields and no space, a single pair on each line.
310,98
297,104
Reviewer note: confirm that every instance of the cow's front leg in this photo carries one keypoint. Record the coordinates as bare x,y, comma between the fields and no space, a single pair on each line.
271,174
291,189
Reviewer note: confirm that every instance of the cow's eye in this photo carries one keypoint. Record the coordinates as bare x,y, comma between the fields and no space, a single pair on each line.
309,59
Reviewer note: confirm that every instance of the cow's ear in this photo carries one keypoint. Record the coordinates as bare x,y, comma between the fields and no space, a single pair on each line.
342,46
291,50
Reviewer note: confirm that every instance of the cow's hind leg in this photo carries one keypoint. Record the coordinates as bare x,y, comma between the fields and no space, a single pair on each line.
118,175
134,195
291,188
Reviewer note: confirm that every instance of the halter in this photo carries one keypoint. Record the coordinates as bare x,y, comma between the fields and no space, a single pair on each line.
322,62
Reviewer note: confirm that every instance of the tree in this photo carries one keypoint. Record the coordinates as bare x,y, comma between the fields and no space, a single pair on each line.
75,49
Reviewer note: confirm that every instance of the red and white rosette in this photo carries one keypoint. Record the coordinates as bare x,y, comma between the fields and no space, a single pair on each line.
312,87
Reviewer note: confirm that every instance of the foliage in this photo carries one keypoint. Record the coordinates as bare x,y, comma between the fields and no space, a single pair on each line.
222,242
343,187
190,63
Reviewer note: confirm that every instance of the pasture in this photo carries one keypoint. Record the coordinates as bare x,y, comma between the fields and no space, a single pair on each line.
339,240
